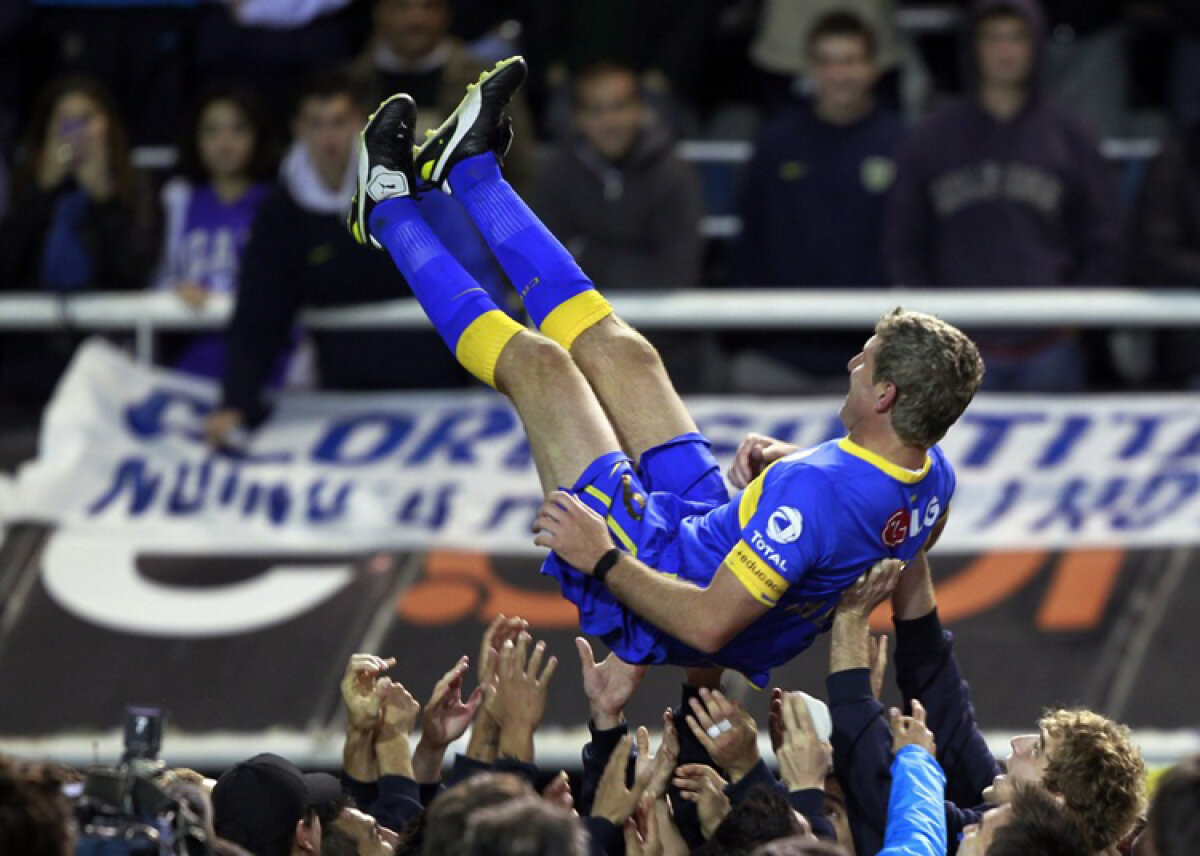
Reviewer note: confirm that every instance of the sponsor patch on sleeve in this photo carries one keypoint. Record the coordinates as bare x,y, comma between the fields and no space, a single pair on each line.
755,574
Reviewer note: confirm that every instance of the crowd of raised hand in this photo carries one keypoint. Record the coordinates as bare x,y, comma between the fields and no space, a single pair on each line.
850,778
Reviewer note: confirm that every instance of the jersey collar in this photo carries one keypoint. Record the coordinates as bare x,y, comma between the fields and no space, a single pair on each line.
898,473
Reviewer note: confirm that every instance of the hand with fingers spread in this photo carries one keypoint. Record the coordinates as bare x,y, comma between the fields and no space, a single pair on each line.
641,830
871,589
726,730
805,760
879,664
661,763
614,801
519,704
446,719
702,785
358,690
571,529
911,730
501,630
755,453
608,685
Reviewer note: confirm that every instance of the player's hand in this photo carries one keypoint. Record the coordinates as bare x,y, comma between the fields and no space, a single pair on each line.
572,530
871,589
221,426
359,694
911,730
608,685
755,454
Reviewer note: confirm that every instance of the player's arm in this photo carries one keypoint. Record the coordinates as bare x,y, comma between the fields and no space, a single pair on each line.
704,618
914,596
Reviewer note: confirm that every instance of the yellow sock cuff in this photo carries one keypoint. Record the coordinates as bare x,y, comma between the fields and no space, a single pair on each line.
479,346
574,315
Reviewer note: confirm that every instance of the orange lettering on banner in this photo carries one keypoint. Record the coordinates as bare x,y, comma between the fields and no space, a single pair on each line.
1080,589
457,586
990,579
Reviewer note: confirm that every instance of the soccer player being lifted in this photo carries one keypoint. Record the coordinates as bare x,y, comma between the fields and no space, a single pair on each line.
663,565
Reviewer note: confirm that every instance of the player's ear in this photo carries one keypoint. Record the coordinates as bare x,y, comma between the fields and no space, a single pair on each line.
885,396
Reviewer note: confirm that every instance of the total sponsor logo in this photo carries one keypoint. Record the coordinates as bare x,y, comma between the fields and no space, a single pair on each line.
764,549
910,522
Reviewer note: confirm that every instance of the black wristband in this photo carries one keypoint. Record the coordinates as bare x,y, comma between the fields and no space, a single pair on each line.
605,565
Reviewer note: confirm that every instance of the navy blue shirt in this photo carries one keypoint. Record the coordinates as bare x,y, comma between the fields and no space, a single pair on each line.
813,201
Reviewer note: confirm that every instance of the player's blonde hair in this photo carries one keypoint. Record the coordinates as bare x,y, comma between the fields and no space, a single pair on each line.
936,369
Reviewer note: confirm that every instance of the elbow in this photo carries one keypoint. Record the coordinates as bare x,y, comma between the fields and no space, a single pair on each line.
709,638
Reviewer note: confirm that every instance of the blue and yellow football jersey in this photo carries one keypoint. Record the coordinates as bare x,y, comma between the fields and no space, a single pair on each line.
796,538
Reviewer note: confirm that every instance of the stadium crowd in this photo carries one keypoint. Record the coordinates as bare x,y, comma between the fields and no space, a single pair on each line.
849,777
883,157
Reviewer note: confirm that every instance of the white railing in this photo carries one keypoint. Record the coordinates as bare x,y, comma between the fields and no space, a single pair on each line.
147,314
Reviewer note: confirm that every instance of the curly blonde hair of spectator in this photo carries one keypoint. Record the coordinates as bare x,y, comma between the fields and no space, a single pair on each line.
1097,770
936,369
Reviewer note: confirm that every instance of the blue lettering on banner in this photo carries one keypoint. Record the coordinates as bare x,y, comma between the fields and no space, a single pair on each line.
393,429
427,509
1188,448
1146,426
131,477
450,436
994,429
1073,428
321,510
525,507
147,419
1073,506
180,502
1161,496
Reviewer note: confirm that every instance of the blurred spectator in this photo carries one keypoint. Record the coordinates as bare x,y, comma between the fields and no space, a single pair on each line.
1004,188
225,166
1087,61
150,84
782,48
272,46
79,221
268,806
1174,824
15,28
813,196
625,205
1184,83
411,51
34,814
526,826
1166,243
300,254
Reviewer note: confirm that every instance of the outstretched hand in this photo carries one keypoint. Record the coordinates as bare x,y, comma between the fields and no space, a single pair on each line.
871,589
359,690
911,730
447,716
726,730
608,685
614,801
755,454
702,785
571,529
805,760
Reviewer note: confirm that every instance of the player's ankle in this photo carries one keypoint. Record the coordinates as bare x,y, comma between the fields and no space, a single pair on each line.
473,171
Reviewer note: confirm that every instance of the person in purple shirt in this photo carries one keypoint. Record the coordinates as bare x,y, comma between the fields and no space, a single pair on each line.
1005,188
226,162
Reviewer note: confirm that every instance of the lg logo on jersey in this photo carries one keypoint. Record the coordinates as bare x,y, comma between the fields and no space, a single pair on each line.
909,521
785,525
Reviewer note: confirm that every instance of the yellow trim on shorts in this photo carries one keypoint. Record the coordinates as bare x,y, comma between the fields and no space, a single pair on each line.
616,528
479,346
755,574
574,315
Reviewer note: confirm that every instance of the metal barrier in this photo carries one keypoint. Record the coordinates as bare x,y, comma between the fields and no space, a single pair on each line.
147,314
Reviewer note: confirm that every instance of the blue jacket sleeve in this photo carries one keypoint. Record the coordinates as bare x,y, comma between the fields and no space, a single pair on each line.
916,823
464,768
811,804
862,754
363,793
398,802
927,670
604,837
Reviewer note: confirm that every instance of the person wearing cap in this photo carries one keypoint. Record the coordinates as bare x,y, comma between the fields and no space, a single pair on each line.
269,807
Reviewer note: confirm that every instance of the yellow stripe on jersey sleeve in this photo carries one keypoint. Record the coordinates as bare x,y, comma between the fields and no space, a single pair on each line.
750,497
755,574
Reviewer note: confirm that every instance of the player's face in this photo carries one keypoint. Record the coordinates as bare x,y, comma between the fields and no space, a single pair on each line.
843,73
1006,51
609,113
977,837
860,400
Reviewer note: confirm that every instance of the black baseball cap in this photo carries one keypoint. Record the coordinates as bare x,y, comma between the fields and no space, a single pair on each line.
258,802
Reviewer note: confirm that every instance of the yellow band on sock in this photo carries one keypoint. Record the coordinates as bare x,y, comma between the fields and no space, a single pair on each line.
574,315
479,346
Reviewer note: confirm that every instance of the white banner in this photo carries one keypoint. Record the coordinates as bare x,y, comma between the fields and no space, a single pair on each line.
121,451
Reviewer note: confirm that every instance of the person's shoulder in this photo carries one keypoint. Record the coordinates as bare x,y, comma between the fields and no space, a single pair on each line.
785,123
947,115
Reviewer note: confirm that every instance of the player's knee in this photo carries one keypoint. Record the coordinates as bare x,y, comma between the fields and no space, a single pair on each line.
545,357
629,348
